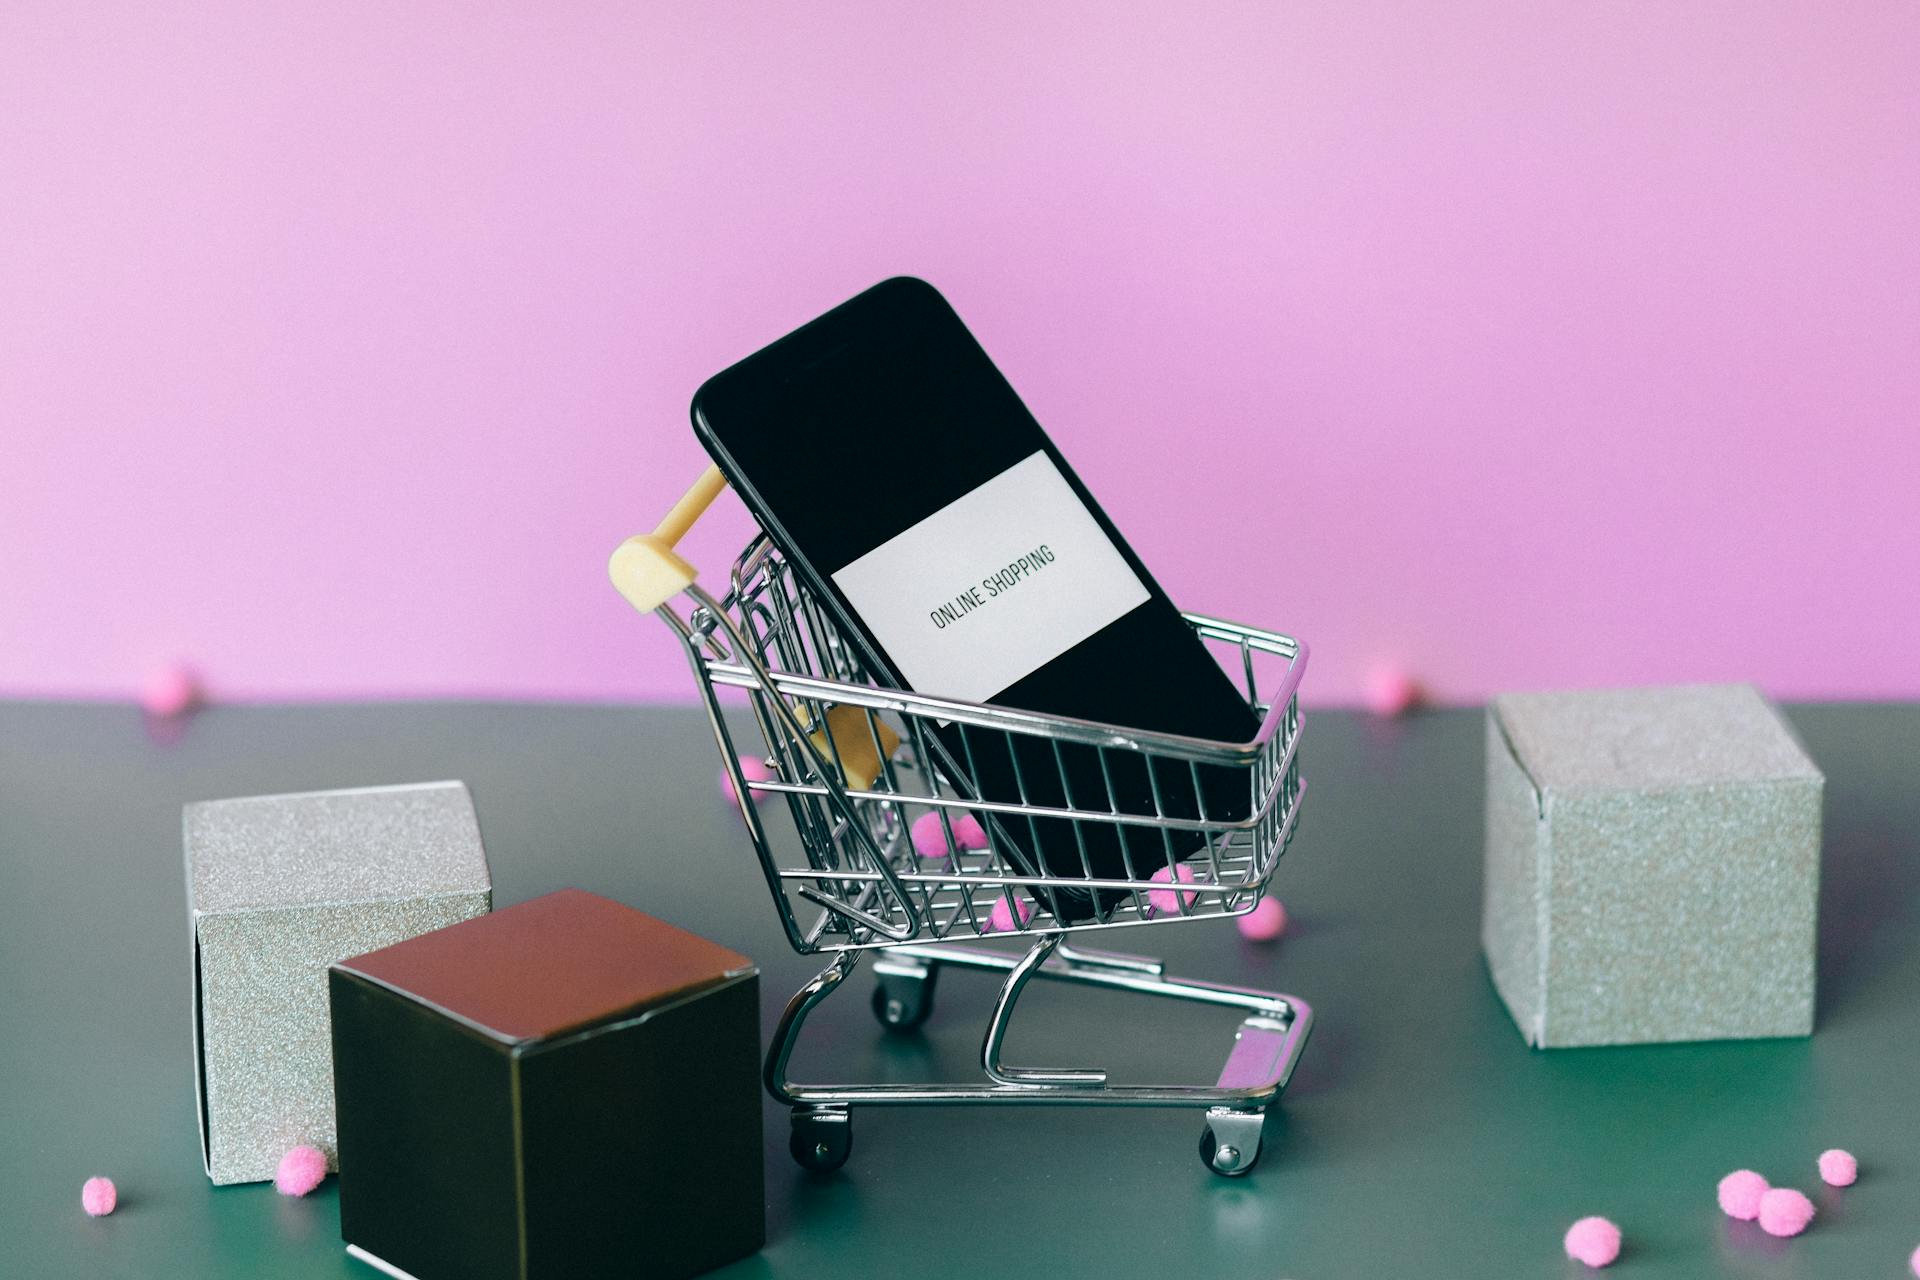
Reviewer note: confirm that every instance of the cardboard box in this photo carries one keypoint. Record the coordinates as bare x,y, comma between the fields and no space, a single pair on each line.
278,888
1652,866
562,1090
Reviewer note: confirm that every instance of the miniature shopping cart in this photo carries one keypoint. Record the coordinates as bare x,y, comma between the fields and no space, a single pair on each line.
858,764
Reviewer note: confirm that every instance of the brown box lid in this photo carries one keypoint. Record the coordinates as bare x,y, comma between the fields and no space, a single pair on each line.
559,963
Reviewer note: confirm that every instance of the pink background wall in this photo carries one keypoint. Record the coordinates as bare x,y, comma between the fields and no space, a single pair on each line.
1527,344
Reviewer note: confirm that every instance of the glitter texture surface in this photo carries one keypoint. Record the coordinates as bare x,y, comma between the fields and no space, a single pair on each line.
1652,866
280,887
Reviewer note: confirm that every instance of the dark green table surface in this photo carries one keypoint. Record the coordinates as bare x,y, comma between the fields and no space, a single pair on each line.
1420,1137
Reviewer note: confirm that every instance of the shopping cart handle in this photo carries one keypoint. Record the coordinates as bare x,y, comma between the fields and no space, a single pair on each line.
645,568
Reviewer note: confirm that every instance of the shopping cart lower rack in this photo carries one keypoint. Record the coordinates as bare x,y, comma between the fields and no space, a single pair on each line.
864,768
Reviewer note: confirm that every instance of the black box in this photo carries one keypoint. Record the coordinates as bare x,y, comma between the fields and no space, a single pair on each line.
566,1088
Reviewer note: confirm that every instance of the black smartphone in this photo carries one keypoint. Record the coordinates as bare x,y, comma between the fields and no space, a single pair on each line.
898,472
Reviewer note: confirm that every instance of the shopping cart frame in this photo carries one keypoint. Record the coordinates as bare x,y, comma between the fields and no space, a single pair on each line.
773,639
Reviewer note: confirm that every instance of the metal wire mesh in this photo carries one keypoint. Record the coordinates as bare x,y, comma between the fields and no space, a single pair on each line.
1164,827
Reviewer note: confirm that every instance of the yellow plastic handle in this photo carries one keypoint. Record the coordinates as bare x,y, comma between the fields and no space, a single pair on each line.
645,568
692,505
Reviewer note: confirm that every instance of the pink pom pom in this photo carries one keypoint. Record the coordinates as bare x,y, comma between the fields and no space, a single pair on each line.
169,692
1265,922
1000,919
1740,1193
753,769
301,1170
968,833
1594,1241
1166,900
930,838
1913,1263
1390,691
98,1196
1785,1212
1838,1168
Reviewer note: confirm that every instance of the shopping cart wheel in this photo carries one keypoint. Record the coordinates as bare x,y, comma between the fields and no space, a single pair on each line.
903,996
1230,1144
822,1138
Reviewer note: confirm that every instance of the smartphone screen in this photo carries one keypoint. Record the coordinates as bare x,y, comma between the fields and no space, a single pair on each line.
900,474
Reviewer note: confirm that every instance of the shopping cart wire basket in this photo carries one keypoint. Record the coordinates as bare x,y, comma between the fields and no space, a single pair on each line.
858,762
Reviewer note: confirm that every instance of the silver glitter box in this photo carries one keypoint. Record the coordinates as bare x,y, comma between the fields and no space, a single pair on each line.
278,888
1652,866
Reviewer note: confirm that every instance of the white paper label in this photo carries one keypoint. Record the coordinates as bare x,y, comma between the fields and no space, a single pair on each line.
994,586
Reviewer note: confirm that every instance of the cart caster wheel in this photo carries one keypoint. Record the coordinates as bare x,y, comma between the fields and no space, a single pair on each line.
821,1140
902,1004
1229,1159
